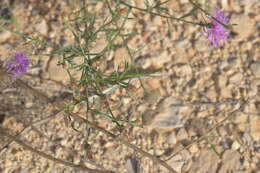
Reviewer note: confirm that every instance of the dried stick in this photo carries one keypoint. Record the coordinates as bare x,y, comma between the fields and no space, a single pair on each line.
29,127
49,157
230,114
60,108
124,141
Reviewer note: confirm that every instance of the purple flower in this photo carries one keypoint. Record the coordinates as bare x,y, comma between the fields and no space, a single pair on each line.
217,33
19,66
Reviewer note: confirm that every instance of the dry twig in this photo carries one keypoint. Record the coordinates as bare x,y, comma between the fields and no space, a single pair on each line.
49,157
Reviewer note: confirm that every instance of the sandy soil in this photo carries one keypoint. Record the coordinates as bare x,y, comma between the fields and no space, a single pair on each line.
201,115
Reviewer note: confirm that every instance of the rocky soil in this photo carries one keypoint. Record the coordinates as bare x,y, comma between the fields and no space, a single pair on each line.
201,116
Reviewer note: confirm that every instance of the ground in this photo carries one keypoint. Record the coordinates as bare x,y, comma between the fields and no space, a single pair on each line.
200,114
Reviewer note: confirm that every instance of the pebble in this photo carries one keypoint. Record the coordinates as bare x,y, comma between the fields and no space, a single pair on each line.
207,161
235,145
245,27
242,121
255,68
230,162
182,134
194,148
57,72
236,78
255,127
168,116
172,139
42,27
4,36
177,163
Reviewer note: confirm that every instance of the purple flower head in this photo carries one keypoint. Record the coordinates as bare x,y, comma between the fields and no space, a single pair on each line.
217,33
19,66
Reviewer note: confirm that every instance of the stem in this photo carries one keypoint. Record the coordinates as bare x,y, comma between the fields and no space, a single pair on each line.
230,114
49,157
205,12
139,150
161,15
60,108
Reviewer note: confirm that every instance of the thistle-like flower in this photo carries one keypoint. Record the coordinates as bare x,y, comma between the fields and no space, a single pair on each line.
19,66
217,32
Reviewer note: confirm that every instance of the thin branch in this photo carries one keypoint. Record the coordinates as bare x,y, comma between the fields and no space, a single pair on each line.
124,141
60,108
208,14
35,92
161,15
230,114
49,157
205,103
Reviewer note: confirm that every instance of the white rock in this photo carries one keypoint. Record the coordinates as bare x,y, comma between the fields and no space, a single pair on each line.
42,27
182,134
235,145
194,148
172,138
168,118
176,163
245,27
236,78
206,162
5,35
231,161
255,67
255,127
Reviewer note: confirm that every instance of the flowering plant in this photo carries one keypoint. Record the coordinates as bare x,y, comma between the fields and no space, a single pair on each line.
217,31
19,66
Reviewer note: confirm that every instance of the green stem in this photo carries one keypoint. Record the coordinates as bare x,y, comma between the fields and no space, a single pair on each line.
161,15
207,14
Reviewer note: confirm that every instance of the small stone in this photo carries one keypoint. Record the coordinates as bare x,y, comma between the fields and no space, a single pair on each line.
236,78
159,152
172,139
226,143
177,162
5,35
184,1
255,67
126,101
245,27
158,21
235,145
182,134
206,162
194,148
152,96
42,27
28,104
222,131
255,127
57,72
247,138
226,92
168,116
173,5
222,81
142,108
230,162
242,121
132,165
160,60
